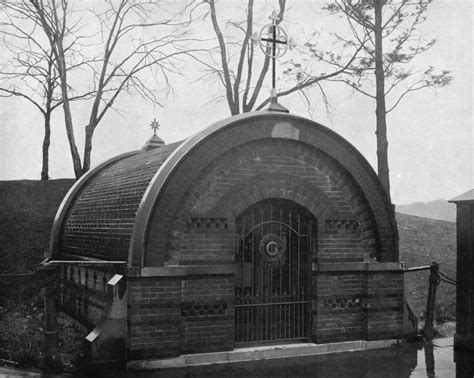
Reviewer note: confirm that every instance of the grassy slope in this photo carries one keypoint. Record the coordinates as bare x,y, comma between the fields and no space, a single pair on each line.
27,210
423,241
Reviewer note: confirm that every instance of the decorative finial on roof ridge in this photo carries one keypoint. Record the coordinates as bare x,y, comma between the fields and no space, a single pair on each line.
274,43
155,141
155,125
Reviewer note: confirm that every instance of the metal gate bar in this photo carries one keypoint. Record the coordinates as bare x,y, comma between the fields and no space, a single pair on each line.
272,299
278,319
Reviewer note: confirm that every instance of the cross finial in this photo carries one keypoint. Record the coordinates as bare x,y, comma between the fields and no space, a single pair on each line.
274,43
154,125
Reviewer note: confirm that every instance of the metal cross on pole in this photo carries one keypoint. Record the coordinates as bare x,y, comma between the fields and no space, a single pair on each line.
274,43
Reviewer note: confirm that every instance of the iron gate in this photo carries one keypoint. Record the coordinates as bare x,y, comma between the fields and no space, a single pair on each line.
272,286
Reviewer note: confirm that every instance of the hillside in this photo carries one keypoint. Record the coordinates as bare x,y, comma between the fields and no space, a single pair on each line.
423,241
27,210
439,209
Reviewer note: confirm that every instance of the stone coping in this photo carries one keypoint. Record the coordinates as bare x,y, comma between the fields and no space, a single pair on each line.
224,269
182,270
259,353
186,270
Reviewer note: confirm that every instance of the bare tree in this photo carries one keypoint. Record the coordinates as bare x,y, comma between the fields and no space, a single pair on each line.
239,69
136,37
28,69
18,81
392,27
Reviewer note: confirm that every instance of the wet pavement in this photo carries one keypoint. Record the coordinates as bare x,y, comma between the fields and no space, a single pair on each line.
405,360
437,359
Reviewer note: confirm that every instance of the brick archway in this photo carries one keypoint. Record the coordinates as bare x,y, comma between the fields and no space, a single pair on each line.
283,186
174,182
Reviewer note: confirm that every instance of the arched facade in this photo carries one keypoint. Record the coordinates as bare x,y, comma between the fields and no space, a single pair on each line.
174,216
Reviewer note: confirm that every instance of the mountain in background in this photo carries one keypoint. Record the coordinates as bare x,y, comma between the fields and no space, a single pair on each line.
439,209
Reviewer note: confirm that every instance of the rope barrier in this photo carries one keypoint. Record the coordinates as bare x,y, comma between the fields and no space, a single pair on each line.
447,277
449,282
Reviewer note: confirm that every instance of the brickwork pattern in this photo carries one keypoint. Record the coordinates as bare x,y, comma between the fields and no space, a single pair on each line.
206,243
213,331
192,222
154,317
338,313
101,217
384,305
357,306
171,316
100,222
317,148
271,169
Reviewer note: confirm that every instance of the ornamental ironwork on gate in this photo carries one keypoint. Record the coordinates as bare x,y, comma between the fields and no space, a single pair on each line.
273,279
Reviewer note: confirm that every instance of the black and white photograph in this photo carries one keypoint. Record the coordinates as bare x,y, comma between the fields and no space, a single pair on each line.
236,188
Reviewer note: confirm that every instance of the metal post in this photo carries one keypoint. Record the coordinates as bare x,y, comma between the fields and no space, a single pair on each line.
50,329
274,52
434,281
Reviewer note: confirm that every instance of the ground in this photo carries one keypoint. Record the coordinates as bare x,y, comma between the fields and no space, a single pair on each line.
21,339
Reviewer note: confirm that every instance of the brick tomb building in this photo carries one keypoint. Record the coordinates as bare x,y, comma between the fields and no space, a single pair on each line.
262,228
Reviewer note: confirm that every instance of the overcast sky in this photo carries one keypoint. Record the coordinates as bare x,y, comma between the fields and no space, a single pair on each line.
430,134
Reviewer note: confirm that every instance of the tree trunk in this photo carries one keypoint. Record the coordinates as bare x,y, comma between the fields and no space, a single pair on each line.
76,159
381,129
88,148
46,143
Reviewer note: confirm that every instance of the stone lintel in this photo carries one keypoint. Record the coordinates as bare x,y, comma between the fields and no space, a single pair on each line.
357,266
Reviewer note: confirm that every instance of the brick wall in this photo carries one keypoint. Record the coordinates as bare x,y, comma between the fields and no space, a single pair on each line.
338,306
236,167
207,314
357,305
195,224
206,240
169,316
190,220
154,317
384,305
201,229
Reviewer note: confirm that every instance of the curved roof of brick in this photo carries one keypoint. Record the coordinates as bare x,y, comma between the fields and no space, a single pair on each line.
97,217
107,212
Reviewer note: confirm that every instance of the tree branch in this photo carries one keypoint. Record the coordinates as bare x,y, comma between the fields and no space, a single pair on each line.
223,53
19,94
